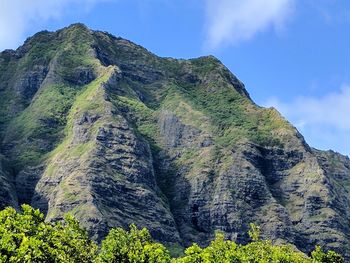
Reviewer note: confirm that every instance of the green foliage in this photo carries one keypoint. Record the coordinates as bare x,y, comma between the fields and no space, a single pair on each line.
175,250
88,101
221,250
142,116
46,112
36,130
254,232
7,95
232,113
330,257
259,251
136,245
26,237
43,46
44,119
205,64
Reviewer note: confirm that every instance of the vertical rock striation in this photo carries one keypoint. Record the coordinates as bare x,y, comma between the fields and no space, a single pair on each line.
98,126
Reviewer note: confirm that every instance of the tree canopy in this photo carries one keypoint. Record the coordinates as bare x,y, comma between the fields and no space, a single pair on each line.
26,237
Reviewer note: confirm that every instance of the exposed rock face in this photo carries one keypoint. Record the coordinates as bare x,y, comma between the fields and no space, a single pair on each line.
117,135
8,195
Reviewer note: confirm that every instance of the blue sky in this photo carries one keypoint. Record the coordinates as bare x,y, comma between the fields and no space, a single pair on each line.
291,54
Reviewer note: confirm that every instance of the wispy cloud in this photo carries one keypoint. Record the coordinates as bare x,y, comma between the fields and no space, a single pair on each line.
17,16
324,121
233,21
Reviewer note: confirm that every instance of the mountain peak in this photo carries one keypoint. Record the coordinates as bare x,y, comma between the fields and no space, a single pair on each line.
78,25
101,127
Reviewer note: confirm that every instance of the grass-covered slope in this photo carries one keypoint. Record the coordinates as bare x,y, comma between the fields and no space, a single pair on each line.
99,126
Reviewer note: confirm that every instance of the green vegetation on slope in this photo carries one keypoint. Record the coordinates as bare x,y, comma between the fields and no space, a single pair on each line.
7,69
89,101
67,57
26,237
6,97
233,115
143,117
198,92
42,48
44,119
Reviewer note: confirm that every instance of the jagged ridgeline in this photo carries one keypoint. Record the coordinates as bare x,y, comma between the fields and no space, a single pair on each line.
99,126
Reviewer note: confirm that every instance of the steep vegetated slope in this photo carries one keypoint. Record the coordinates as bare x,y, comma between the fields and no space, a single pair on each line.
99,126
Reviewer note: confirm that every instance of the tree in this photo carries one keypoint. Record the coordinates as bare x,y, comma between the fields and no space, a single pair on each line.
26,237
134,246
330,257
258,251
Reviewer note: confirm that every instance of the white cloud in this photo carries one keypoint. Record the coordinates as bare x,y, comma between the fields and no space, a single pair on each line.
17,16
324,121
232,21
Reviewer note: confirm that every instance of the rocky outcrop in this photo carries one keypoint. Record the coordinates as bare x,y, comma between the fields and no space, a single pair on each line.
8,196
116,135
104,173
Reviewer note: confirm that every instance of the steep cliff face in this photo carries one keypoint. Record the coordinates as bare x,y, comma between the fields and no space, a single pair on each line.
99,126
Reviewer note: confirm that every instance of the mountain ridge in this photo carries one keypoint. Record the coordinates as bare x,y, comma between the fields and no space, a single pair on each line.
97,125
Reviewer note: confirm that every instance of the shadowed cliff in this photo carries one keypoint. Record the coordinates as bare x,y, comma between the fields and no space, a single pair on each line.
97,125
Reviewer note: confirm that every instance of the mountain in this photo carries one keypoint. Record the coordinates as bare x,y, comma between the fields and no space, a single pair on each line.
99,126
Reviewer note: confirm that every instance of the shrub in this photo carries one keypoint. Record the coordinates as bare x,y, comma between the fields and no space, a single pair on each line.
121,246
26,237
